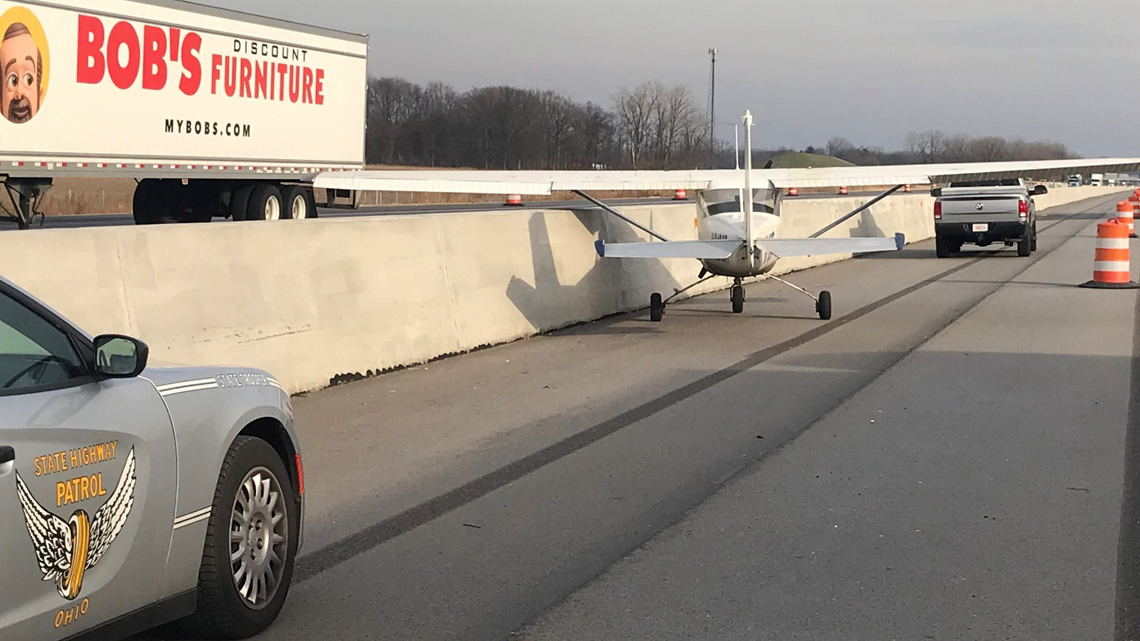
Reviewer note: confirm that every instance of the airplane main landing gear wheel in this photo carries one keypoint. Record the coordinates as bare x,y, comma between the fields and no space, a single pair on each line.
737,299
823,306
656,308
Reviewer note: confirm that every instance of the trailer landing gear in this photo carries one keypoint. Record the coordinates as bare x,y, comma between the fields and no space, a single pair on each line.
26,195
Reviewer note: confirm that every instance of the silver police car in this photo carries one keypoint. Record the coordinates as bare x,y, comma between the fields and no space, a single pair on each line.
132,496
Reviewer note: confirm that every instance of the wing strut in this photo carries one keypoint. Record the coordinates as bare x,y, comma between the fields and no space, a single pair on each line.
611,210
856,212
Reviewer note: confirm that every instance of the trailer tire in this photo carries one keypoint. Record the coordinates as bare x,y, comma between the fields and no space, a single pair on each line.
313,213
152,203
239,202
264,203
298,203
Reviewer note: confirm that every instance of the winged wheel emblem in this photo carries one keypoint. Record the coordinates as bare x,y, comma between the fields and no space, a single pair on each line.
65,550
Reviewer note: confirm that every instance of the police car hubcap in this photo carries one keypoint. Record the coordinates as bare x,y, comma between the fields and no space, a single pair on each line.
259,529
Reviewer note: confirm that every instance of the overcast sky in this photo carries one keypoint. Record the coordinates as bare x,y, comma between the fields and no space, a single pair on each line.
869,70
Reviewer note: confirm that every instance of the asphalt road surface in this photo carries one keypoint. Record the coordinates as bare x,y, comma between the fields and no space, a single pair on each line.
943,460
110,220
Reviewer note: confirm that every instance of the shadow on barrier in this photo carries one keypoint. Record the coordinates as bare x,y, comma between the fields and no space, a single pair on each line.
868,227
604,289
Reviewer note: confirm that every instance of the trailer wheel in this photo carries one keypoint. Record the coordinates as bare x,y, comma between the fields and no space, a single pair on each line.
152,203
239,202
298,203
264,203
143,202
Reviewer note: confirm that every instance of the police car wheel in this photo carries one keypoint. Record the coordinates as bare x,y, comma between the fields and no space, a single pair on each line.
251,545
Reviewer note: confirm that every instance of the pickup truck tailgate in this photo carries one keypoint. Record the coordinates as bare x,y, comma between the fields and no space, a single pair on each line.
980,209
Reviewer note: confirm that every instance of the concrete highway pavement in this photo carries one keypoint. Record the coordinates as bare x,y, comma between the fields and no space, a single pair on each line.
111,220
943,460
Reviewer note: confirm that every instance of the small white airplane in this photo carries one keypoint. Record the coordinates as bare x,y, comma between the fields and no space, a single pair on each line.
737,237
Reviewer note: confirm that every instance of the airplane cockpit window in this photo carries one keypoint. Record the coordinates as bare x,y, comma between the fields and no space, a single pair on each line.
727,201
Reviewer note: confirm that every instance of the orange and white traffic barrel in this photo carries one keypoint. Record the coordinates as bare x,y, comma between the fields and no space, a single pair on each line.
1132,213
514,200
842,191
906,189
680,194
1112,267
792,191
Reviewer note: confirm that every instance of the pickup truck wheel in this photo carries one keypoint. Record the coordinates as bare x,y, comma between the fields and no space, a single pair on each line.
955,247
1033,241
1025,246
251,545
941,247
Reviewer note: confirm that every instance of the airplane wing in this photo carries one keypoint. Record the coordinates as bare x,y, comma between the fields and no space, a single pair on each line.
545,182
701,249
721,249
789,247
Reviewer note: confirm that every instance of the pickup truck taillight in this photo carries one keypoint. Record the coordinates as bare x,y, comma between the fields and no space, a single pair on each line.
937,211
1023,208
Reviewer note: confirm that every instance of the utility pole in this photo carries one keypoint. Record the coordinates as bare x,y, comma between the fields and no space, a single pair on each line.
712,109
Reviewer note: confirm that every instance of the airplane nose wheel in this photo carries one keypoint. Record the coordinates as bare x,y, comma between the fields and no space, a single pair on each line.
737,299
823,305
656,308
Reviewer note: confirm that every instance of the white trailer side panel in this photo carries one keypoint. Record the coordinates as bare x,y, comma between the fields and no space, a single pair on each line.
150,87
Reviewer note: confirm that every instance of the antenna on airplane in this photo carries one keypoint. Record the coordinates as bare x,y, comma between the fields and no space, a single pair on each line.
748,187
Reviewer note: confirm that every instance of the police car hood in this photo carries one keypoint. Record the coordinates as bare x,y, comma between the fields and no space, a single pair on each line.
166,375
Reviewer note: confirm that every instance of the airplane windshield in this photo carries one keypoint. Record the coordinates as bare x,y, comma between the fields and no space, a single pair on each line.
727,201
734,207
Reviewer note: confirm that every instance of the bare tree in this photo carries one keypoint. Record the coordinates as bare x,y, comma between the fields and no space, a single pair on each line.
989,149
635,113
838,146
651,125
926,146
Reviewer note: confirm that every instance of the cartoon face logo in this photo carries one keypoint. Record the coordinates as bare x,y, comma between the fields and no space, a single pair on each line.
65,550
24,63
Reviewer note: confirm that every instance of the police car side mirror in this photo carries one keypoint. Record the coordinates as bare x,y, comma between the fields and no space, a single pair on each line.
120,356
936,192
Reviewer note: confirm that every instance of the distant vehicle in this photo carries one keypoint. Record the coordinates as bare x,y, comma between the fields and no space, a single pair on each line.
1097,180
217,113
131,495
1075,180
984,212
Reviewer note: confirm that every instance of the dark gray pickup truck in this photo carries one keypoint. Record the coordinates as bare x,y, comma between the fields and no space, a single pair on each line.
984,212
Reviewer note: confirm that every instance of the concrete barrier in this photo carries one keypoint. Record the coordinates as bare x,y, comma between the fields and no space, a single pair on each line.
319,301
1066,195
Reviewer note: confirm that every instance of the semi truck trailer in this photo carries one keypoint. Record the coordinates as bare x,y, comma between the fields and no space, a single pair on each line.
215,113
